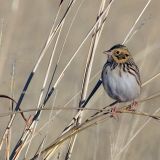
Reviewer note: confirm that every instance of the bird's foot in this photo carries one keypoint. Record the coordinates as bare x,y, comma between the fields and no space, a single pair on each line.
114,113
133,106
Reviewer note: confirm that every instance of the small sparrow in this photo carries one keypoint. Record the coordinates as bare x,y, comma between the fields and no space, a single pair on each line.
120,75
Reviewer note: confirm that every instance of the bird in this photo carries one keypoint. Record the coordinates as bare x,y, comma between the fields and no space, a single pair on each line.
120,75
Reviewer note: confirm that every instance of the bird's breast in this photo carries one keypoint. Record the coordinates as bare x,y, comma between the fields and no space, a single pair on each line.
120,85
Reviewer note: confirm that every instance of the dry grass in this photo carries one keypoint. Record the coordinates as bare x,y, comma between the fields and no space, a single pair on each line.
57,79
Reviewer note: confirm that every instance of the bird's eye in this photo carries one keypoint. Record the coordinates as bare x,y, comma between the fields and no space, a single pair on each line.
117,52
126,55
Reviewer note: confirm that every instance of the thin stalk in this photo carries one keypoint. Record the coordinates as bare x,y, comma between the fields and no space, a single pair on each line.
46,109
152,97
40,148
8,135
1,33
49,120
8,144
1,36
140,15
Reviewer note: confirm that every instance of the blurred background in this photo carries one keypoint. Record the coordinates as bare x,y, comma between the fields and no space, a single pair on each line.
24,29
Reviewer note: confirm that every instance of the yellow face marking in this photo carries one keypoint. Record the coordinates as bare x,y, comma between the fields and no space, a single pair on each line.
120,55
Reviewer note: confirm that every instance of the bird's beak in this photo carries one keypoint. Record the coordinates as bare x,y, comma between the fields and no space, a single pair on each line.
108,52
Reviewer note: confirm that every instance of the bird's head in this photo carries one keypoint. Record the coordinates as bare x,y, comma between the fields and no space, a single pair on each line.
118,53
